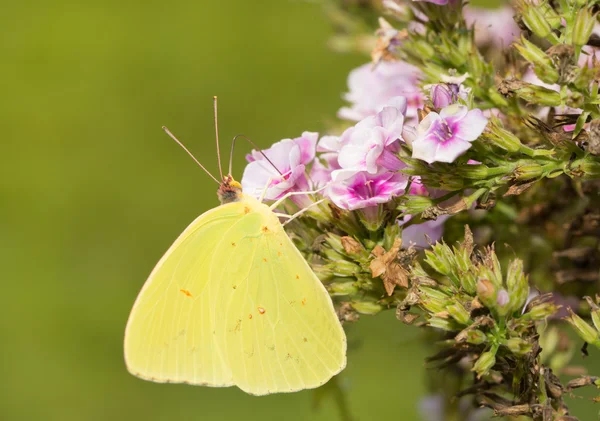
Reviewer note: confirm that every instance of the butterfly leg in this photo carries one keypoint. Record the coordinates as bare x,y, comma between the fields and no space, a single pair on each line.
297,193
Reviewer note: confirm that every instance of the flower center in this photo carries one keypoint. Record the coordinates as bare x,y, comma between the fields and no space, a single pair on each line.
441,130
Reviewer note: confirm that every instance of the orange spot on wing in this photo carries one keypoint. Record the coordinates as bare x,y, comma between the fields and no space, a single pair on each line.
250,316
303,301
261,310
297,276
279,254
265,228
186,292
234,286
305,340
233,244
246,209
265,259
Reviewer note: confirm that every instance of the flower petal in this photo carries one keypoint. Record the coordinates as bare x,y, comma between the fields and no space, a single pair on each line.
450,150
471,126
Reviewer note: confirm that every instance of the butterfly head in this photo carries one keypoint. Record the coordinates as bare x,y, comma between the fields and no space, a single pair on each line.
229,190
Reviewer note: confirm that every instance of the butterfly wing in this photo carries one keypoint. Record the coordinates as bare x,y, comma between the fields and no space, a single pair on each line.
233,302
169,335
279,330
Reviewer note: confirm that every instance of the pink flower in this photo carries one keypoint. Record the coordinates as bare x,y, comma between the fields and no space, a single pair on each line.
372,144
372,88
363,190
492,26
445,136
290,156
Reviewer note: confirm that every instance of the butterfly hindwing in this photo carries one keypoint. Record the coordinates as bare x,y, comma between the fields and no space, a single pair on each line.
279,329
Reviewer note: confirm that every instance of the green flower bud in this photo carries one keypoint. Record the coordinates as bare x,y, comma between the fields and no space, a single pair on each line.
335,242
583,329
436,263
366,307
390,234
342,288
459,313
518,285
533,17
344,268
476,337
485,363
541,311
432,300
518,346
444,324
539,95
332,255
502,138
475,172
595,312
590,168
528,170
415,204
542,63
583,26
468,281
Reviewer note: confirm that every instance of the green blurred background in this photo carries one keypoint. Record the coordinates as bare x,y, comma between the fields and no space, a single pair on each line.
93,192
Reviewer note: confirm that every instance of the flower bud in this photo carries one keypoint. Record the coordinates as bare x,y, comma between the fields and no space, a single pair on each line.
590,168
468,281
595,312
539,95
541,311
542,63
458,313
474,172
518,285
443,94
343,268
476,337
528,170
518,346
366,307
503,302
486,292
583,329
335,242
583,26
535,18
502,138
485,363
432,300
342,288
415,204
441,323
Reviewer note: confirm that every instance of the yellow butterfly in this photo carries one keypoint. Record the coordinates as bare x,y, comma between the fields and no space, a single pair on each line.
234,303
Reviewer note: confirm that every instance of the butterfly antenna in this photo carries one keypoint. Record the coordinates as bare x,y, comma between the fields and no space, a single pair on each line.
217,136
172,136
255,147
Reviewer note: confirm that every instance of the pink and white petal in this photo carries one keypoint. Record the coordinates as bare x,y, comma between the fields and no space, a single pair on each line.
308,144
471,126
409,134
450,150
454,113
390,161
424,148
425,124
329,144
398,102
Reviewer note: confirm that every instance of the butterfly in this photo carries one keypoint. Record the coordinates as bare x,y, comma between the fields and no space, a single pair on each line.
234,303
